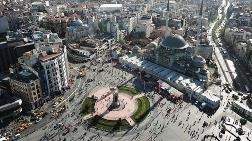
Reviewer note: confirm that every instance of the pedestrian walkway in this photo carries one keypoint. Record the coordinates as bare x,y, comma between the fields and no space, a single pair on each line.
138,96
88,116
130,121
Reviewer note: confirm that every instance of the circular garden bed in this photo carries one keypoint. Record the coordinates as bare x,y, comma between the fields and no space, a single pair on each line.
143,109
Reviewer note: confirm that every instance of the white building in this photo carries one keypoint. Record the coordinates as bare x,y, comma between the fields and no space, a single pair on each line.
49,61
110,7
131,23
54,69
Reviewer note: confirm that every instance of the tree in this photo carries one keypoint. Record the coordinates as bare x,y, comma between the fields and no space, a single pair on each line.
243,121
121,40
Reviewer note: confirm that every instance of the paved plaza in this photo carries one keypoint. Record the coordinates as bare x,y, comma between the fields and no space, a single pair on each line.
182,123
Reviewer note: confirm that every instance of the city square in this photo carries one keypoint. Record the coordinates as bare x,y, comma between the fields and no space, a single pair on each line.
145,70
183,121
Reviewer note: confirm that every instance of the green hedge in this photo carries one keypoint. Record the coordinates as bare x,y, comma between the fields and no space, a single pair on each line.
143,109
128,90
87,106
109,125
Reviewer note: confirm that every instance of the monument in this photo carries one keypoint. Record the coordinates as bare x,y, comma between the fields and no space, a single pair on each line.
115,102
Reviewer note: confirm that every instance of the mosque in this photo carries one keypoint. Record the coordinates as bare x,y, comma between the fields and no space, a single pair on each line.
178,63
175,53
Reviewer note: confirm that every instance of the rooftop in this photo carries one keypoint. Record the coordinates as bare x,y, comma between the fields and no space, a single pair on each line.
163,73
51,54
24,76
110,5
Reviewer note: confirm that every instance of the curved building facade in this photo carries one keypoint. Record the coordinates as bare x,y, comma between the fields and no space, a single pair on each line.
79,54
54,70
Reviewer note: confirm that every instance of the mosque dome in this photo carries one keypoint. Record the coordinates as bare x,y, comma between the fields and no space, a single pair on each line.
136,47
76,23
174,41
199,61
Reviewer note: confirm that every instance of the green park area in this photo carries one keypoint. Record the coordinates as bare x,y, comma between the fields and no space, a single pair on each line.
143,109
128,90
87,106
108,125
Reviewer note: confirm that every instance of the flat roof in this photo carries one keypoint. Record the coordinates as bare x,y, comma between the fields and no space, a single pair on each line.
168,75
165,73
110,5
210,96
24,76
51,54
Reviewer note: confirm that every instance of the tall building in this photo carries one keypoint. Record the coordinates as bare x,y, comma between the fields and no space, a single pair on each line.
53,69
26,85
12,48
56,24
49,61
